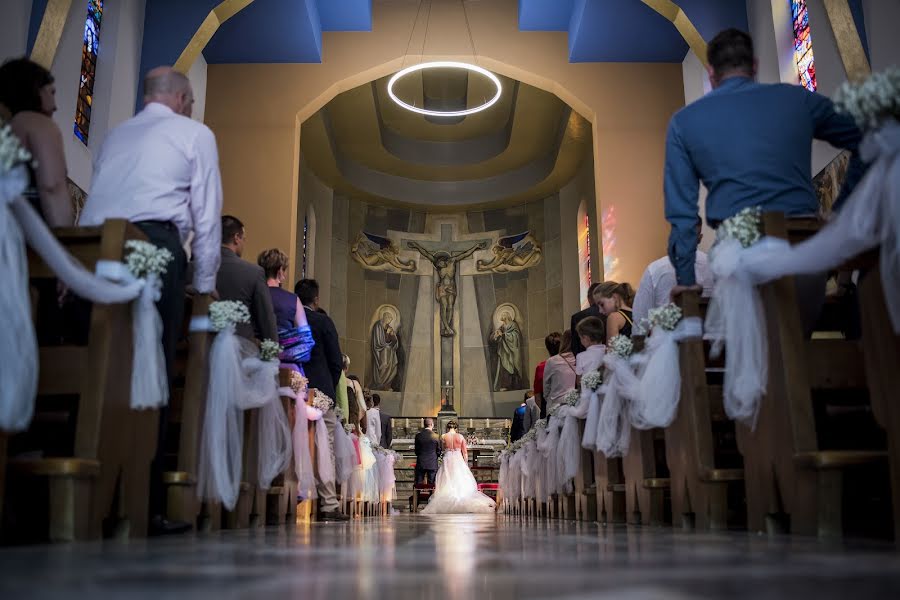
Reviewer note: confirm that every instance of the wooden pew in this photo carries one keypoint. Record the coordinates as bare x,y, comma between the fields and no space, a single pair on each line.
281,497
881,351
793,481
182,502
700,476
308,508
103,483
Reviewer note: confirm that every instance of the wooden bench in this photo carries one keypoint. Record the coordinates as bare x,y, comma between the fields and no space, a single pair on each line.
881,351
103,483
794,482
700,474
182,502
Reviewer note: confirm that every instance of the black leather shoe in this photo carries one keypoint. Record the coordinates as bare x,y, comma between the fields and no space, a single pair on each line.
334,515
160,526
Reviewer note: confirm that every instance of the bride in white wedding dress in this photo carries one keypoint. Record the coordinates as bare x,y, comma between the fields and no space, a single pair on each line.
455,488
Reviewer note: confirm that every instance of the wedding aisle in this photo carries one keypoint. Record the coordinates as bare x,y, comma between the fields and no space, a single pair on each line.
459,557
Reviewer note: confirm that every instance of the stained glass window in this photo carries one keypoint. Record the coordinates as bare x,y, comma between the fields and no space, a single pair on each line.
608,225
584,254
88,69
803,52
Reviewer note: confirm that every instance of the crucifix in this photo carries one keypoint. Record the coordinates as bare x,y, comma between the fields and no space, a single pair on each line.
445,271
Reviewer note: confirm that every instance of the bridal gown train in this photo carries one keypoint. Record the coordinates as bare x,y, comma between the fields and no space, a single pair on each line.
456,491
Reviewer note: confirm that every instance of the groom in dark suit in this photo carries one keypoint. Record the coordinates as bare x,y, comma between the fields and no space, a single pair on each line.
428,447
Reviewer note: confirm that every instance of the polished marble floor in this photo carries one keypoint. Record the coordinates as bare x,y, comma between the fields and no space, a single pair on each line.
456,557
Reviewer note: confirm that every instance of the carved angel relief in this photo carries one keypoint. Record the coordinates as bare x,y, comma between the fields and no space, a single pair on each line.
512,253
378,253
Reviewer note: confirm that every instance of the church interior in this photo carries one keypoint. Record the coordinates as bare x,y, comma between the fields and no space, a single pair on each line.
456,176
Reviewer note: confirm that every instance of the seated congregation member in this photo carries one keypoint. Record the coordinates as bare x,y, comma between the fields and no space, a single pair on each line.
323,372
245,282
658,280
615,303
551,342
28,93
160,170
294,334
559,372
593,335
750,145
593,310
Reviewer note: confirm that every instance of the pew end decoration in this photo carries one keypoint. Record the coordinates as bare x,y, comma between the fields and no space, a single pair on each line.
613,432
239,380
147,263
656,393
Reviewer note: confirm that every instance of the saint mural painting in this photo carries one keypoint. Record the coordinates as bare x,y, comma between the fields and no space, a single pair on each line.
506,349
387,353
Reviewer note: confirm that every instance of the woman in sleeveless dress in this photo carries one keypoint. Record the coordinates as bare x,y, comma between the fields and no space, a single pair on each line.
28,95
615,303
456,491
294,333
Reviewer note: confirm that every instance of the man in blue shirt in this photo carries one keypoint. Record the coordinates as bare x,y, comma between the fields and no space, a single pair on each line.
750,144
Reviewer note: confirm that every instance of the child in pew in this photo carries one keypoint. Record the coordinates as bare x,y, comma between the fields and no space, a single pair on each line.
592,334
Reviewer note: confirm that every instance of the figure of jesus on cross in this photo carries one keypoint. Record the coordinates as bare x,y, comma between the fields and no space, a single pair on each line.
445,288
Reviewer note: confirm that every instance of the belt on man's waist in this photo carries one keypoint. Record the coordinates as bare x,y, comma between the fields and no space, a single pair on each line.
164,224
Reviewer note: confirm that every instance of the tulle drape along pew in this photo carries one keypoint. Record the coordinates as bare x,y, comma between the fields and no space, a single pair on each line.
84,460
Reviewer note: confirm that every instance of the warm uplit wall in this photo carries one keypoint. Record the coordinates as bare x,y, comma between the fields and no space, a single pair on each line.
255,111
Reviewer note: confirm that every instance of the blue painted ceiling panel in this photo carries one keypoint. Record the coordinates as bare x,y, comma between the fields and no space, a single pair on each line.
627,30
269,31
545,15
345,15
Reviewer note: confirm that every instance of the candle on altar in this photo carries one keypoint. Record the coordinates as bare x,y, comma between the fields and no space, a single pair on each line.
487,423
406,423
470,423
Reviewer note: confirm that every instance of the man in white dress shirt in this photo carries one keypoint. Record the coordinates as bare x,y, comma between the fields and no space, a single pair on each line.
659,279
160,170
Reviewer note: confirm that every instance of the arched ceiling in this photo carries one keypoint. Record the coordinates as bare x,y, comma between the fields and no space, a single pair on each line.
526,146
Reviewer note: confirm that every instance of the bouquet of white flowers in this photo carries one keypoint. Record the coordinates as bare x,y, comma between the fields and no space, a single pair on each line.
322,402
12,152
571,399
873,101
145,259
225,313
338,412
540,424
621,345
744,227
666,317
298,382
349,428
592,380
269,351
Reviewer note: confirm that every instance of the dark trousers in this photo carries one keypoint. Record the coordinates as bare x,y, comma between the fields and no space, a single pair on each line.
423,474
171,311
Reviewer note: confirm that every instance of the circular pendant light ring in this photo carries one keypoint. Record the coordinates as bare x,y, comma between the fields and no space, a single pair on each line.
444,65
